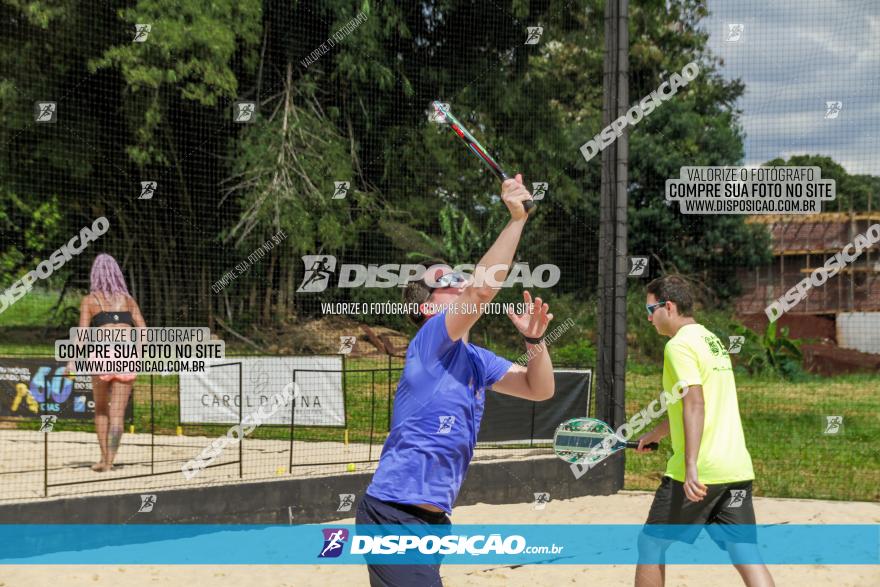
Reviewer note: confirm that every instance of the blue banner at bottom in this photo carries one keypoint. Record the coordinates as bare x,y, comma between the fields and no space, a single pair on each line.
574,544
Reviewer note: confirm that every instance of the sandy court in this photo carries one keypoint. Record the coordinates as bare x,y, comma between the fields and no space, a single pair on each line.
72,453
627,507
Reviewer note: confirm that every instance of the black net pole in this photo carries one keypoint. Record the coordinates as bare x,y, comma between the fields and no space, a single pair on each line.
612,262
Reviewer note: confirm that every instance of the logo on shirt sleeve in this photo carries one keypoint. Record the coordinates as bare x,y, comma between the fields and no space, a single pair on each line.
446,423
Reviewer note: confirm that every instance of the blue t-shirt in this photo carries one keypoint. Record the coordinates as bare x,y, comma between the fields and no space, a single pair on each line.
437,413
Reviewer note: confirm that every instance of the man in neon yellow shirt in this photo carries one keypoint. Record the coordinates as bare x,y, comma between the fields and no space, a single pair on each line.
709,477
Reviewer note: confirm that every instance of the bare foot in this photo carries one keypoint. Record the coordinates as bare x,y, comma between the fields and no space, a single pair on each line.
101,467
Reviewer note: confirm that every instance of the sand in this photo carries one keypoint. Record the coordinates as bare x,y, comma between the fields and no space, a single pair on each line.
628,507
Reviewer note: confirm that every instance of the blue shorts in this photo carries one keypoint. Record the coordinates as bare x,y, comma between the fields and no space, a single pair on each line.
376,512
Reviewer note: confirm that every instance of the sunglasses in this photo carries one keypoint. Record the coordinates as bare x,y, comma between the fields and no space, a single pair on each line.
651,308
454,279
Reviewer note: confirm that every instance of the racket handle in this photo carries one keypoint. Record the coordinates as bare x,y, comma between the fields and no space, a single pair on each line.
649,446
528,204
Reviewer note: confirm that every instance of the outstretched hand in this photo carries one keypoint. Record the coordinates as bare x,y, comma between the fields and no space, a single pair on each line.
534,321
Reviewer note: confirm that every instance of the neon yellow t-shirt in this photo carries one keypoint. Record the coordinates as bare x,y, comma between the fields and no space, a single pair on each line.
696,356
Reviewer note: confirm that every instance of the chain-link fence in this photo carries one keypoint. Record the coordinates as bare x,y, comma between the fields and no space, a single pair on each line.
273,171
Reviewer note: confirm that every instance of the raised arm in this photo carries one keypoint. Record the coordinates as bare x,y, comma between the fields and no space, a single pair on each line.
495,264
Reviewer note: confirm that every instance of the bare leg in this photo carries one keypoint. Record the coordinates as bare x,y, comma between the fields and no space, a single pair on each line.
755,574
101,396
651,570
118,402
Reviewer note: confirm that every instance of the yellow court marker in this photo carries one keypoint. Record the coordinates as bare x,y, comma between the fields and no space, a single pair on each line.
180,431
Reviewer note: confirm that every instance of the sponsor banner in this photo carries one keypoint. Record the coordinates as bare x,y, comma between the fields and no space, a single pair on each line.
33,387
212,396
569,544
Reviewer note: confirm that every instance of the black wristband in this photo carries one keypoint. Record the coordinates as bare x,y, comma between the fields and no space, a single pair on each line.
538,340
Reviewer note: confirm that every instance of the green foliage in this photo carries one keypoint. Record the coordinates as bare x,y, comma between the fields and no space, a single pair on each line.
771,353
854,192
283,176
460,241
188,56
32,230
161,109
581,353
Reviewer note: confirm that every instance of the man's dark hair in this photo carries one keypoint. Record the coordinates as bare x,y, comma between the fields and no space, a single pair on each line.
417,291
674,288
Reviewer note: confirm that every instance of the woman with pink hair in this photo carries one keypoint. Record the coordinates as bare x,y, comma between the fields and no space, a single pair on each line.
109,305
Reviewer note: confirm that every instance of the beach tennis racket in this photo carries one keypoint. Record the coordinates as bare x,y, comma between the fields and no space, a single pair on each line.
475,147
588,441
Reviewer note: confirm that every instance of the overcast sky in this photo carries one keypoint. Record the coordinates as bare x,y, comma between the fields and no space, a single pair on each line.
794,56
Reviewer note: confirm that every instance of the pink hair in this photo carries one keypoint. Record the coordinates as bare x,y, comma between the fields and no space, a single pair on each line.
106,277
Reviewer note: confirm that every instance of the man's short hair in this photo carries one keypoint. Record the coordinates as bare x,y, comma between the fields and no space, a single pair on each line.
674,288
417,291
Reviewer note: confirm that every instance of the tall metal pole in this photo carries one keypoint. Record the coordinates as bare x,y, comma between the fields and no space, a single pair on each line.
613,261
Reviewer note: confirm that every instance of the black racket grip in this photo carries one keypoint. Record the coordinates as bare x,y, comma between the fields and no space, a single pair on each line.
528,204
649,446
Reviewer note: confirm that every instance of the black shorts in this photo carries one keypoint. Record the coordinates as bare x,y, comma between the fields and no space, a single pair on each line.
727,508
377,512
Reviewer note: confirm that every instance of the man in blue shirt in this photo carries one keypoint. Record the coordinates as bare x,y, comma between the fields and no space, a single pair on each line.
441,394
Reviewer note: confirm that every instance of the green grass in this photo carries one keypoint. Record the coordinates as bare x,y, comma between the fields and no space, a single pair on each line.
34,309
783,423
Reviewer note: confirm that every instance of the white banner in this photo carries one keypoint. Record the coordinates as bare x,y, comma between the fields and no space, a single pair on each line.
212,397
